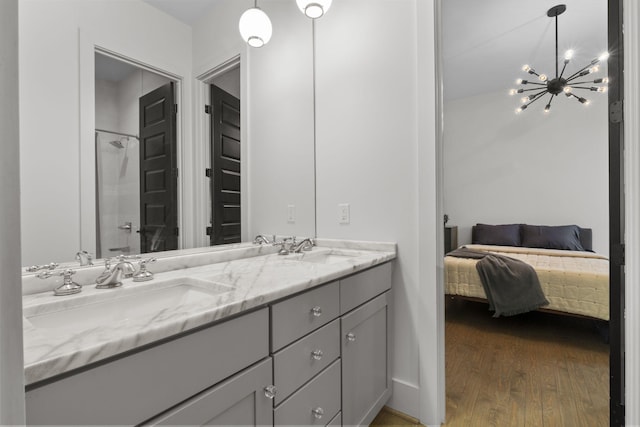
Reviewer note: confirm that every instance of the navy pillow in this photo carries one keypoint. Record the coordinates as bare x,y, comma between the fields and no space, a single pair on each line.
501,235
566,237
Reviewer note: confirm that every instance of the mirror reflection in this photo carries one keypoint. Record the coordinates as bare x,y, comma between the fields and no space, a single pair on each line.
83,145
125,94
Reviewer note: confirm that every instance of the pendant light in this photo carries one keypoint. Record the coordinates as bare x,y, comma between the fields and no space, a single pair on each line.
314,8
255,26
559,84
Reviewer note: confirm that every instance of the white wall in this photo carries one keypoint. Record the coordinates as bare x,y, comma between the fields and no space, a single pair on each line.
107,115
11,364
229,82
535,168
277,112
367,156
50,89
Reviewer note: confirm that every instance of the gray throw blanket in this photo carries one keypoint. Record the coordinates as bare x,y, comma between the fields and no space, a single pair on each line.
511,285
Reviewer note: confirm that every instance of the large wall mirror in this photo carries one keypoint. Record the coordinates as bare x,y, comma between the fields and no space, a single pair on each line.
86,69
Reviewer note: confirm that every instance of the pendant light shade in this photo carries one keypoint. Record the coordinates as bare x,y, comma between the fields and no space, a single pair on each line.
255,27
314,8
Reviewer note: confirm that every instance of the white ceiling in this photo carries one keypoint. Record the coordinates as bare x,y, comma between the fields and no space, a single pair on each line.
187,11
486,43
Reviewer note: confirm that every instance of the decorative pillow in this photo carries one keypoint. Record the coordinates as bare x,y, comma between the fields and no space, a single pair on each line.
501,235
566,237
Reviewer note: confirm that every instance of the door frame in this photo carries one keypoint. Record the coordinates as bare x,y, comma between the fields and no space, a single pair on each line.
88,47
631,16
616,126
203,155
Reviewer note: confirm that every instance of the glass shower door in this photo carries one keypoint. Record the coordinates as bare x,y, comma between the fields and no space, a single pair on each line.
117,194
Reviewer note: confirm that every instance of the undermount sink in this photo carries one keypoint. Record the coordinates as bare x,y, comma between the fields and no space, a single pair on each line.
150,305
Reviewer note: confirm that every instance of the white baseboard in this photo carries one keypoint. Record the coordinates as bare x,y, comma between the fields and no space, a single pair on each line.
405,398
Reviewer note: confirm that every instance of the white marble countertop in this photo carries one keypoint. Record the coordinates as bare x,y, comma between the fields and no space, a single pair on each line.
65,333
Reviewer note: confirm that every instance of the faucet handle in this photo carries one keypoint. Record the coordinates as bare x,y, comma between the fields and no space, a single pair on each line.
142,275
34,268
68,286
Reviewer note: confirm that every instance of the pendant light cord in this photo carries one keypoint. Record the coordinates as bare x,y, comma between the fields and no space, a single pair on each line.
556,46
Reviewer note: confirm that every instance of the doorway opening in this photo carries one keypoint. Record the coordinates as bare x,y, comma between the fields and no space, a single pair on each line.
135,159
223,214
513,160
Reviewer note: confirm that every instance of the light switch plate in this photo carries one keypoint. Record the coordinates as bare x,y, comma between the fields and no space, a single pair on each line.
291,213
344,216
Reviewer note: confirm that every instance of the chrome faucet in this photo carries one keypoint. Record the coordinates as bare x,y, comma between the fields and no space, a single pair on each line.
303,245
68,286
283,249
35,268
111,277
84,257
261,238
142,275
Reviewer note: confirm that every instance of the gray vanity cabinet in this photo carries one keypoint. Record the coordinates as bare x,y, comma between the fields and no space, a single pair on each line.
239,401
365,379
316,358
139,386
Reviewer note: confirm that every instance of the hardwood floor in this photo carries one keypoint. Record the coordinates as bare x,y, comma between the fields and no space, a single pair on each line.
535,369
389,417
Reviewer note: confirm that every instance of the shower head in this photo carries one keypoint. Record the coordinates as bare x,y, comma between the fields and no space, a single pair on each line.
117,144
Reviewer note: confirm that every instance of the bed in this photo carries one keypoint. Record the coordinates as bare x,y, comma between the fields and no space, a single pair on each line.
574,279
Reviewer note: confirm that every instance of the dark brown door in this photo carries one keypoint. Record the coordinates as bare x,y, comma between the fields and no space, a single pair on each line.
158,171
225,167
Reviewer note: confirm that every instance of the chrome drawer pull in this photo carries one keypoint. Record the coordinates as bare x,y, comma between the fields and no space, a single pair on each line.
316,354
270,391
316,311
318,412
351,336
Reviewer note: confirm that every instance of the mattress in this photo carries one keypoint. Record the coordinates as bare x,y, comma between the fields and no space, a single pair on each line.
574,282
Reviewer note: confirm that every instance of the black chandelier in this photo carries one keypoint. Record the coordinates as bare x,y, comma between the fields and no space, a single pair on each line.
560,84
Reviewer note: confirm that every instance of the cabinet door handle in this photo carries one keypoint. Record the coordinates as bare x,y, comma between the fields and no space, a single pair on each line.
316,354
318,412
316,311
351,336
270,391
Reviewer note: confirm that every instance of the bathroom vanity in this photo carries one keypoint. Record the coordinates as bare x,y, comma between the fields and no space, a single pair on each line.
300,339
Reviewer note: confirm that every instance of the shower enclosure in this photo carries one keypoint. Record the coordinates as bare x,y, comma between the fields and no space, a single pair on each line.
117,194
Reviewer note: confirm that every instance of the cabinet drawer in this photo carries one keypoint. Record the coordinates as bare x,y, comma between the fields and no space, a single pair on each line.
298,363
297,316
321,395
360,288
139,386
239,400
